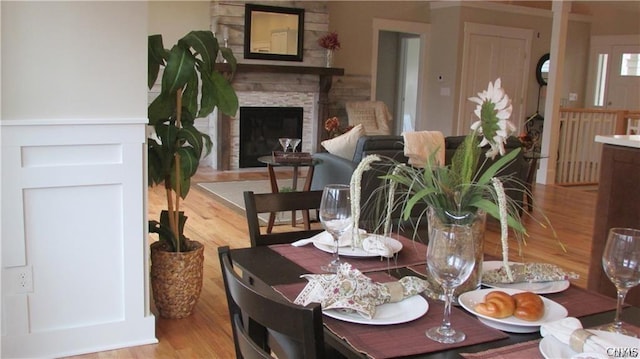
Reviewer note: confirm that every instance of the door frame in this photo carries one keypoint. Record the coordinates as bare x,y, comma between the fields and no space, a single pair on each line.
603,44
417,28
494,30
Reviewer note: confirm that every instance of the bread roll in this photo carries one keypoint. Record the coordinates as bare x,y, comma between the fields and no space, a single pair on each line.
497,304
529,306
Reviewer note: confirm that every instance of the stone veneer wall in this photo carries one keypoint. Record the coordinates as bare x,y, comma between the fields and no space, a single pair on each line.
289,90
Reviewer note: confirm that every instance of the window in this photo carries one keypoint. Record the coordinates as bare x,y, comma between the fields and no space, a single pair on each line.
630,65
601,80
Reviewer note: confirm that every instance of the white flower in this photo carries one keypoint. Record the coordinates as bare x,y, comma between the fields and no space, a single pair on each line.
493,110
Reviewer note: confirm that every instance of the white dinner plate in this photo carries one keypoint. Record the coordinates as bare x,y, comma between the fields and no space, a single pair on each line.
552,311
552,348
347,251
538,288
390,313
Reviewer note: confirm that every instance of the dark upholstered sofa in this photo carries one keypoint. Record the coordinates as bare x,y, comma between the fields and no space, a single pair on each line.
334,169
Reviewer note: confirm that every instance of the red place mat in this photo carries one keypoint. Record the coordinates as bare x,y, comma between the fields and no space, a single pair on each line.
529,350
312,259
390,341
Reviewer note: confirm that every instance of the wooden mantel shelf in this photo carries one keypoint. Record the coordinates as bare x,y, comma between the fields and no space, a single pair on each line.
285,69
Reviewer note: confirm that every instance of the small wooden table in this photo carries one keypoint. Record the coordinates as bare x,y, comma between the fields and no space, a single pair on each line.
532,158
271,163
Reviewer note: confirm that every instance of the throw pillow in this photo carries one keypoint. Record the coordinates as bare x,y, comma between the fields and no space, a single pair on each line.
344,145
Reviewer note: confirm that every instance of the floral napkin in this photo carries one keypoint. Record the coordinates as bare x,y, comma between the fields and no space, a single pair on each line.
527,272
351,290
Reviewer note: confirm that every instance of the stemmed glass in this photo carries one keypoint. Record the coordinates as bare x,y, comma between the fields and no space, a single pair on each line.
285,143
621,263
450,260
335,215
294,143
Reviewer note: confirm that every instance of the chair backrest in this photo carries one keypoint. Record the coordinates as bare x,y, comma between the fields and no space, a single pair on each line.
263,324
373,115
257,203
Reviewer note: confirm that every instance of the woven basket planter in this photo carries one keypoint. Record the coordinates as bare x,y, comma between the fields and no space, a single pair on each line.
176,279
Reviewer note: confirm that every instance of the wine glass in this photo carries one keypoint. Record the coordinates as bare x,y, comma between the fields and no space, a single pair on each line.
285,143
621,263
335,215
294,143
450,260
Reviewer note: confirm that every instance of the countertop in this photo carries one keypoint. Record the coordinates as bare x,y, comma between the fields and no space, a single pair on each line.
620,140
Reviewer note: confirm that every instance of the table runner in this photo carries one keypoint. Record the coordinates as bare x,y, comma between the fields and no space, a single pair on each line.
389,341
579,302
312,259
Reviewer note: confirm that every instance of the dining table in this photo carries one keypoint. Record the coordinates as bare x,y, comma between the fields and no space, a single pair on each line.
277,270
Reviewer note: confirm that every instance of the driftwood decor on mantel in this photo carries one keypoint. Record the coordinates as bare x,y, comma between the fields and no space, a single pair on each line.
325,81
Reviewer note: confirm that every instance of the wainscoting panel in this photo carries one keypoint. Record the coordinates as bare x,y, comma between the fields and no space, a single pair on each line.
74,248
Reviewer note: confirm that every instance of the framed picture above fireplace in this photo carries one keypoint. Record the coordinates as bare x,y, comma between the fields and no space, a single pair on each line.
273,32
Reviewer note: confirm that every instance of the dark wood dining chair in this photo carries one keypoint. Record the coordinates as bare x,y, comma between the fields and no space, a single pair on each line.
263,324
257,203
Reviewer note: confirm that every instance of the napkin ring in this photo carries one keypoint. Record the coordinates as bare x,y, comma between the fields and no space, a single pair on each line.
396,290
578,338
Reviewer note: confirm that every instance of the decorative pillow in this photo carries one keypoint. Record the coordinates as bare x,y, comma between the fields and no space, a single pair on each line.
345,144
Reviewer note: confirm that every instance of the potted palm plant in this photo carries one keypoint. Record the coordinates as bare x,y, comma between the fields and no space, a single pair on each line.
191,88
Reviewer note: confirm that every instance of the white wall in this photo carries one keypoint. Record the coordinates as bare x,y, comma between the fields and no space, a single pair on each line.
174,19
74,249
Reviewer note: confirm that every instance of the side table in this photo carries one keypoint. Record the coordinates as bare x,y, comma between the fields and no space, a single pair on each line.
271,163
532,158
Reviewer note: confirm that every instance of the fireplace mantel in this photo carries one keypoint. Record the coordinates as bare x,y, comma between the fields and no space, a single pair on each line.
306,70
325,80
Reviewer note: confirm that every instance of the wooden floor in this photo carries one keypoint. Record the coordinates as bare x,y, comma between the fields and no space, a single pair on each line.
207,332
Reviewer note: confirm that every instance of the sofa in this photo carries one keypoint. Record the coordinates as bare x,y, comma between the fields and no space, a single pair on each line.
331,168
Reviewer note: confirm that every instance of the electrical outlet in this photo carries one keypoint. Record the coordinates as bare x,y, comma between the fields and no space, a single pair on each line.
22,279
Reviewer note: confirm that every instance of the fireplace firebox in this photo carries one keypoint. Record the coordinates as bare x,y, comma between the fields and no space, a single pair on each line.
260,129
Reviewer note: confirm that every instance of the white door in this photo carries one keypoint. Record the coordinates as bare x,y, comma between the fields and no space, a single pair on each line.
623,90
492,52
408,83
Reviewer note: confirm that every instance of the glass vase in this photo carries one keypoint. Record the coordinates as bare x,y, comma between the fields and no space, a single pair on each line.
329,58
451,223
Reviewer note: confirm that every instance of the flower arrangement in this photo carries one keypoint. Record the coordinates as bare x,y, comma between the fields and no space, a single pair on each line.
330,41
333,128
455,191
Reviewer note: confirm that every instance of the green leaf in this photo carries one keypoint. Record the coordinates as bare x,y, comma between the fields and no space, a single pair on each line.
190,94
188,167
205,45
161,109
191,135
227,54
225,97
155,58
180,68
497,165
493,210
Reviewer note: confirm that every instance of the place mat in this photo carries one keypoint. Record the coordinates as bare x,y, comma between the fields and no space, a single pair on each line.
391,341
312,259
529,350
578,301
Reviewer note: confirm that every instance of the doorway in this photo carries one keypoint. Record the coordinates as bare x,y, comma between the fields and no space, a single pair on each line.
399,69
491,52
397,74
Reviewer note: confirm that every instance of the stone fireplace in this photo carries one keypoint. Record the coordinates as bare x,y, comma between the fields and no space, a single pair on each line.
274,86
